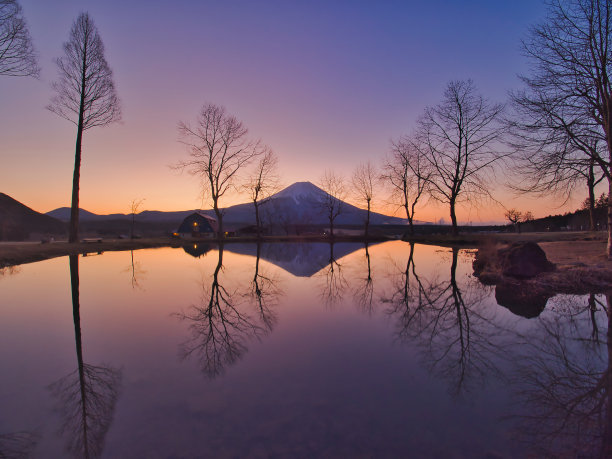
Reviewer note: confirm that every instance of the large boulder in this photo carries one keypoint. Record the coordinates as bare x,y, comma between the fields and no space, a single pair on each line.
523,260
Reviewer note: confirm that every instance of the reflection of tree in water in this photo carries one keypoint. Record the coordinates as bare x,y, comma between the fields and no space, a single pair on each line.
264,292
564,382
219,328
18,445
335,283
136,270
458,343
364,291
87,396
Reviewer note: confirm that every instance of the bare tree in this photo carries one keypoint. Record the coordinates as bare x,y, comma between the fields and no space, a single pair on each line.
407,171
565,111
458,137
17,55
85,94
86,397
333,200
134,206
515,217
218,149
263,183
220,327
363,181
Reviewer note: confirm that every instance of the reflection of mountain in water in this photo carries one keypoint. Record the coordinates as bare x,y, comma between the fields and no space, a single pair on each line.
299,259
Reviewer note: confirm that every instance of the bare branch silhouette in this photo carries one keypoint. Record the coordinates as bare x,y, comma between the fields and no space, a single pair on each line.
220,330
458,138
334,282
564,383
86,397
263,182
17,55
218,150
335,193
407,172
364,180
18,445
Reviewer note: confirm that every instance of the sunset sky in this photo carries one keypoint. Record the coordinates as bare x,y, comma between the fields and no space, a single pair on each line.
326,84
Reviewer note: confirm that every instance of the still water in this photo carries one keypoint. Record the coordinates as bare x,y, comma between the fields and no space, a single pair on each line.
289,350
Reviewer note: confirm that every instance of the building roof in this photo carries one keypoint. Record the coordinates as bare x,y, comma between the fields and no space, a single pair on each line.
199,222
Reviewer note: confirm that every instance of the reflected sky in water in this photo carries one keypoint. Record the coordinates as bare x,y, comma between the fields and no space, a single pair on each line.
294,350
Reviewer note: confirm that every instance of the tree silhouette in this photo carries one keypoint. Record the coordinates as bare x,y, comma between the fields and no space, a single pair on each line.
264,292
334,282
364,292
218,149
458,139
564,382
262,183
18,445
564,114
407,172
84,95
219,328
17,55
86,397
364,180
332,202
456,341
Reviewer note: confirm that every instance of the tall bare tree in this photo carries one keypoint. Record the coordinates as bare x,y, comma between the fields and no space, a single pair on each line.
565,110
263,182
332,202
218,149
459,139
407,171
364,180
17,55
84,94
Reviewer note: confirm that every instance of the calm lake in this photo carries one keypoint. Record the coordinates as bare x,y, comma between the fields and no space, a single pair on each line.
306,350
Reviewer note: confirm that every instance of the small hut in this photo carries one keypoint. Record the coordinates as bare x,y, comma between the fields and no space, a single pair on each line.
198,225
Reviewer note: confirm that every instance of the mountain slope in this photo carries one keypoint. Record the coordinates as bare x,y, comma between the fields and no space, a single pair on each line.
18,221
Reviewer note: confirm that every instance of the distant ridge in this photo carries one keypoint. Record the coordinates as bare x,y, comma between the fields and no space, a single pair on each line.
18,221
299,203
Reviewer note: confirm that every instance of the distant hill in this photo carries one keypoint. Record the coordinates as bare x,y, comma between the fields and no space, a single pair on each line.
18,221
298,204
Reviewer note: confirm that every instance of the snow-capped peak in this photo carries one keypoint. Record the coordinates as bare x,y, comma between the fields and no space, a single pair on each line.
301,191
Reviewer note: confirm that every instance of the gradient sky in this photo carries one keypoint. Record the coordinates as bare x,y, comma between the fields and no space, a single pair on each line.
327,84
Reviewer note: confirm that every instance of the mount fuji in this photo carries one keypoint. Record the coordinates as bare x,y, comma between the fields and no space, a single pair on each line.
298,204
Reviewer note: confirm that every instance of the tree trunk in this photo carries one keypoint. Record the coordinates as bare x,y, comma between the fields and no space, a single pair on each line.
367,222
609,248
591,186
257,219
220,233
606,450
409,217
453,217
76,177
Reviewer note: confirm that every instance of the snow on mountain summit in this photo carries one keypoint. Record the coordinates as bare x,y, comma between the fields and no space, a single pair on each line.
301,191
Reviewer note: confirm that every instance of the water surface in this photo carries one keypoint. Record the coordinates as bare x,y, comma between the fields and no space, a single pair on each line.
290,350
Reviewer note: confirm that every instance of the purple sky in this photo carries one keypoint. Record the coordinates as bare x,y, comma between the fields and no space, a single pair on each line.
326,84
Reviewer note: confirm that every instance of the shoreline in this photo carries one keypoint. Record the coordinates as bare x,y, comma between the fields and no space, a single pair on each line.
581,264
